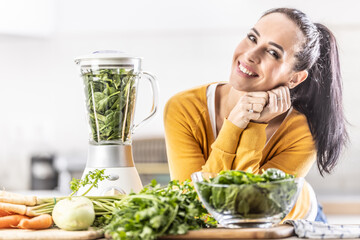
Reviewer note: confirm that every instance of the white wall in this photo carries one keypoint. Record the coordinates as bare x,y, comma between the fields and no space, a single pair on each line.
184,43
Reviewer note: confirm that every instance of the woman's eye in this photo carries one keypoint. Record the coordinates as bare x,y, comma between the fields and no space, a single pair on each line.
274,54
251,38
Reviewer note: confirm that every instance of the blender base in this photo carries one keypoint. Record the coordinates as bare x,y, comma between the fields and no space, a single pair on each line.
122,180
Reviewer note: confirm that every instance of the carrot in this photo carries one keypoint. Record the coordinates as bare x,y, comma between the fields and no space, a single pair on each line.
11,221
18,198
39,222
4,213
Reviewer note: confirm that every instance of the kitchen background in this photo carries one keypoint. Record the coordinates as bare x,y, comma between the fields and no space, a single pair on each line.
184,43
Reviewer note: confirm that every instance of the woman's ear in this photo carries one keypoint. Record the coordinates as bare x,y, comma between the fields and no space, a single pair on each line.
298,78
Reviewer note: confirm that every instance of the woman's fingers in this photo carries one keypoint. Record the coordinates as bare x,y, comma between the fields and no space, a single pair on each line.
273,98
248,108
283,98
287,96
254,107
278,103
256,101
258,97
250,99
254,116
257,107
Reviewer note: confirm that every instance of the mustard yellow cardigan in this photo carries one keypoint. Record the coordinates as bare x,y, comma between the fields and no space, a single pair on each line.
191,145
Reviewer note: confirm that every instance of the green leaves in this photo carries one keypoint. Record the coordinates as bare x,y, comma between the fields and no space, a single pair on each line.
249,195
110,98
91,178
157,211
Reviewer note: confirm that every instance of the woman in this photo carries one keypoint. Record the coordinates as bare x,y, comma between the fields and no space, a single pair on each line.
282,108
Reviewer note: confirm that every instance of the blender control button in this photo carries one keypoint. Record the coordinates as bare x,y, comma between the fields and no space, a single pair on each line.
113,192
113,177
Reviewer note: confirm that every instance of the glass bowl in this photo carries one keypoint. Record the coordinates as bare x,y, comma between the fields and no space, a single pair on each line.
247,205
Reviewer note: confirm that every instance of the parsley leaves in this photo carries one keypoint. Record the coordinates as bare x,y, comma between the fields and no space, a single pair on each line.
157,211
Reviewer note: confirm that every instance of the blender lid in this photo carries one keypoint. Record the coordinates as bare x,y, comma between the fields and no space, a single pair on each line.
108,57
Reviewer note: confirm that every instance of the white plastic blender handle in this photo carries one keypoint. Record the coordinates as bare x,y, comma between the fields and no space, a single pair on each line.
155,93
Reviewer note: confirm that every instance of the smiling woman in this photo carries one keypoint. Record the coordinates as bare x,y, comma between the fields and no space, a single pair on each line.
281,108
266,55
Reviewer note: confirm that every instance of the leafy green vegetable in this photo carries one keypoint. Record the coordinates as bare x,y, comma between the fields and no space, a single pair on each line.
157,211
249,195
110,100
91,178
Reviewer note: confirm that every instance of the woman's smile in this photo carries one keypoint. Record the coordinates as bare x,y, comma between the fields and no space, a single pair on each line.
245,70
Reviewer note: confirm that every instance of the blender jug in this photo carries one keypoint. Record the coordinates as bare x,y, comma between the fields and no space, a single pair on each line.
110,81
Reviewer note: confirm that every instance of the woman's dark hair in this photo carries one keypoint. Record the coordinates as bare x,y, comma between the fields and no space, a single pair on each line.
320,96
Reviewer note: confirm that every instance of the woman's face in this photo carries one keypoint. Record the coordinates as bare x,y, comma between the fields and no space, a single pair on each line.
264,59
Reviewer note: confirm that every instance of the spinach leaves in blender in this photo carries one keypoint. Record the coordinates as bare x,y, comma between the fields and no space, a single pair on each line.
111,101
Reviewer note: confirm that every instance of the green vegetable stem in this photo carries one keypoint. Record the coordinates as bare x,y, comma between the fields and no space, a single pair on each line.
110,100
102,204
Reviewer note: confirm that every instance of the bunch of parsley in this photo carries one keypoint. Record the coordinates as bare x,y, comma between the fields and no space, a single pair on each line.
157,211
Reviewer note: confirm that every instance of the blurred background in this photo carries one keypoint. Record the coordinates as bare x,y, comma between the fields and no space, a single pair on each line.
43,125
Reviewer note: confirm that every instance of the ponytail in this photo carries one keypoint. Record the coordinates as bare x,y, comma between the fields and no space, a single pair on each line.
319,98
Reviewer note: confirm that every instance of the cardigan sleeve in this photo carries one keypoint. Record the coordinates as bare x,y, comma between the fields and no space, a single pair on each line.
295,153
185,154
224,148
249,151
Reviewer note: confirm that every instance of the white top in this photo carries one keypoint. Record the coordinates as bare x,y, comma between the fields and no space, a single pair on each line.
210,95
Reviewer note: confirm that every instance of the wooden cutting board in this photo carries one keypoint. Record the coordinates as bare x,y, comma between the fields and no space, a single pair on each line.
281,231
52,233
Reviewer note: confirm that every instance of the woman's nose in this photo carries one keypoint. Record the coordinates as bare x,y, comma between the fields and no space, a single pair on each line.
253,55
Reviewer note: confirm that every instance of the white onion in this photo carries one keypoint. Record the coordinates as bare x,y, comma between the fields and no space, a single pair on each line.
75,213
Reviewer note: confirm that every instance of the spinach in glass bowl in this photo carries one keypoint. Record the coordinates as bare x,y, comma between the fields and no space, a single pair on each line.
241,199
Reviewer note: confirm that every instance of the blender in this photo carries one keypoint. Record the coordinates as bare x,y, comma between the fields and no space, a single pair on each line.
111,80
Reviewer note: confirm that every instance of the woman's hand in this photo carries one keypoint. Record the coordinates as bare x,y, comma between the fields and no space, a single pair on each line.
248,108
278,103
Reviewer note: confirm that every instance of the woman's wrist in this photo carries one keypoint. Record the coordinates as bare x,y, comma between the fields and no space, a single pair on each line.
239,122
262,122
